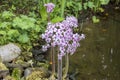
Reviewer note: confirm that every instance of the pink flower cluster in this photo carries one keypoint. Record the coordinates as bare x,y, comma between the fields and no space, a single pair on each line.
49,7
61,35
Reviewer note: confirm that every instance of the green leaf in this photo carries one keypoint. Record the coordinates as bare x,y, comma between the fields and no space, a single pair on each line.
43,13
95,20
37,28
24,22
13,7
68,4
104,2
4,24
16,21
90,4
2,32
13,33
7,14
85,6
101,9
57,19
23,38
80,6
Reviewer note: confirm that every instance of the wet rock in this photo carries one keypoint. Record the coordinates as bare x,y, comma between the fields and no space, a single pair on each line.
18,65
27,72
37,51
27,55
39,58
35,73
41,64
38,54
9,52
3,73
73,75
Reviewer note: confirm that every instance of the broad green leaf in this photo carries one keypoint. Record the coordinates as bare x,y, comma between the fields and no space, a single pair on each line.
23,38
13,33
37,28
90,4
68,4
16,22
57,19
24,22
29,19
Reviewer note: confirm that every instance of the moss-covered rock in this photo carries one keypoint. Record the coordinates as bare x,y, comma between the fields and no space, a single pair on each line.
2,66
9,78
3,70
37,74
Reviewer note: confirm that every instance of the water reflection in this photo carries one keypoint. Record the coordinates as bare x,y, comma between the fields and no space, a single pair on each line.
98,56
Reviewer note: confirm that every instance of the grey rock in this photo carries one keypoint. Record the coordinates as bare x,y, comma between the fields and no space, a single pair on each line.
9,52
27,72
3,73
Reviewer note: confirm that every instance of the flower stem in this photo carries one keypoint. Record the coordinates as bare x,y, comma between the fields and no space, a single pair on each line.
53,60
48,17
66,66
59,69
52,77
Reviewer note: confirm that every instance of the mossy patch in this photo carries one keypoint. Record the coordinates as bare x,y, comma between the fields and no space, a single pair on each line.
2,66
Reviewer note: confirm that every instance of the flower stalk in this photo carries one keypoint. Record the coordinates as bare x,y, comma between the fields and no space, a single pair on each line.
59,68
53,60
66,66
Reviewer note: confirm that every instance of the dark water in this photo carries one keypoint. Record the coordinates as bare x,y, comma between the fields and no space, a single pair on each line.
98,58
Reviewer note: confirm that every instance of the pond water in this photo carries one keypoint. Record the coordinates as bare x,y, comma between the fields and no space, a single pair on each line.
98,57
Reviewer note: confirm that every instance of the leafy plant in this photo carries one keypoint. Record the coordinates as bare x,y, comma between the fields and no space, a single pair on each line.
19,29
16,74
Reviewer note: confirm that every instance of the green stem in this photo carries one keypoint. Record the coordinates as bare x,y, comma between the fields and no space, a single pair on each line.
66,66
63,7
117,2
48,1
54,1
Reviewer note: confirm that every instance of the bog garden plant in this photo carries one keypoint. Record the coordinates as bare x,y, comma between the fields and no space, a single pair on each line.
60,35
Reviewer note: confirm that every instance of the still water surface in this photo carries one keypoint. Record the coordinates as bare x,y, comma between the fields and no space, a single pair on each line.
98,57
